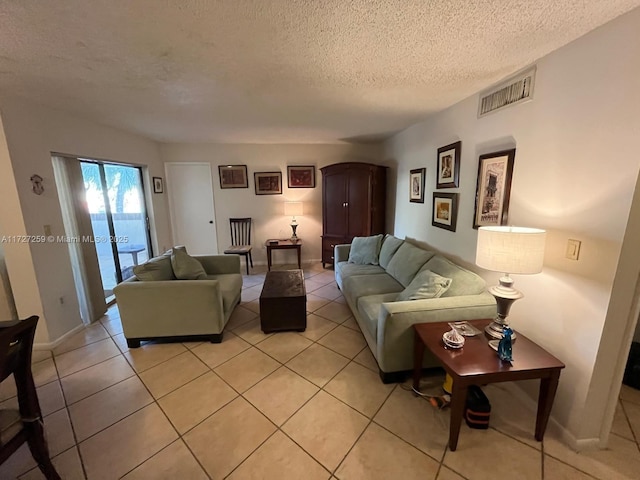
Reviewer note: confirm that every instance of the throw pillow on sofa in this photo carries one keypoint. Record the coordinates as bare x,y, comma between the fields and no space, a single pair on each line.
185,267
390,246
365,250
154,270
426,284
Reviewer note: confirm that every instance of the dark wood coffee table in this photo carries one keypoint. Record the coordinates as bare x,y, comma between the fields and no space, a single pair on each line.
283,302
478,364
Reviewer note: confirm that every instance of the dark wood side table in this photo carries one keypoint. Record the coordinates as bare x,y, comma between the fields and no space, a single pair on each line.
478,364
282,245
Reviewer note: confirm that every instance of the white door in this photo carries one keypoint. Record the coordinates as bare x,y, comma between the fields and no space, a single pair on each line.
191,208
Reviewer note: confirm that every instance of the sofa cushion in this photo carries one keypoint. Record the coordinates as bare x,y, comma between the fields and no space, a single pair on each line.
156,269
407,261
365,250
463,282
390,246
346,269
185,267
426,284
369,309
359,286
230,288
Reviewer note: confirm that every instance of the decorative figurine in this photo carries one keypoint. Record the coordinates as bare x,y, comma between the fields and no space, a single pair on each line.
504,347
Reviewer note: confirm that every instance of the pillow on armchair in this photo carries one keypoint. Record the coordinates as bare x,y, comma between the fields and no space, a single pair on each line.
156,269
365,250
185,267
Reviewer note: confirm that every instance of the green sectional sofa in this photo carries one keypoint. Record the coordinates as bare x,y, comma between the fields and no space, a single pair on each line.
371,292
161,306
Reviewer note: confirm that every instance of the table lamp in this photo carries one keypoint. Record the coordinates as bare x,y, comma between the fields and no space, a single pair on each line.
508,250
293,209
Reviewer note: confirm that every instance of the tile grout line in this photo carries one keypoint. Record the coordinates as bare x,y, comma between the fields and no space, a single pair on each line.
626,417
73,430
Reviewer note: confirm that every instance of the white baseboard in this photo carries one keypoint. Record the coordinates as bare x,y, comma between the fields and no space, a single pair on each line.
581,445
55,343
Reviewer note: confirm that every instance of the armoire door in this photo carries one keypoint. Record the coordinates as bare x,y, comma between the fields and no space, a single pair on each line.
358,200
335,203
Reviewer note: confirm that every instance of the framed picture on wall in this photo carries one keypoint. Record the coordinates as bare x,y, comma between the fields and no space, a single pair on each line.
301,176
157,185
233,176
268,183
445,210
416,185
448,171
493,188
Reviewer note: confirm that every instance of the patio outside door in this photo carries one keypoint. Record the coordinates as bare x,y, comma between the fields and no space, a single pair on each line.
115,197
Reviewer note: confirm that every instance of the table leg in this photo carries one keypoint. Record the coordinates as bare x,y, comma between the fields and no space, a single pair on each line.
268,259
458,400
548,387
299,249
418,356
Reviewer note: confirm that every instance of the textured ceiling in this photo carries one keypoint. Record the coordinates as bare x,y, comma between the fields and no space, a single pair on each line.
275,70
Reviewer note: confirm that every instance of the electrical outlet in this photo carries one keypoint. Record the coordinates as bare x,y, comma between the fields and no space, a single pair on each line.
573,249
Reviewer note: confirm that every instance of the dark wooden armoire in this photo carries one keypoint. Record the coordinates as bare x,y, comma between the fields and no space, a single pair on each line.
353,204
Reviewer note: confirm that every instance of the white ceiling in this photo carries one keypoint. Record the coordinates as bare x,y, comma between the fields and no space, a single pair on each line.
286,71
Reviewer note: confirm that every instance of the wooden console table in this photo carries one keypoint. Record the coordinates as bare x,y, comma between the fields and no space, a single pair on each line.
282,245
478,364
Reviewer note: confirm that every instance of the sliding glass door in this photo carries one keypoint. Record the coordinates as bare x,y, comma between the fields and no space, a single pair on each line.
115,197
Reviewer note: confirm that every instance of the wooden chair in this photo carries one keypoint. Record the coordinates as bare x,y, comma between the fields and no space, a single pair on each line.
25,425
241,239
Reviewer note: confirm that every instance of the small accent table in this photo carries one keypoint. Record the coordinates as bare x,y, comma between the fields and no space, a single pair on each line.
282,245
133,250
478,364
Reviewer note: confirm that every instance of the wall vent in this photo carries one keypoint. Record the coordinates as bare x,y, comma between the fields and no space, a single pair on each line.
517,89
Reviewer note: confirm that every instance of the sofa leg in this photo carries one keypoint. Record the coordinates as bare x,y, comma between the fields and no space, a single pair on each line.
216,338
133,343
392,377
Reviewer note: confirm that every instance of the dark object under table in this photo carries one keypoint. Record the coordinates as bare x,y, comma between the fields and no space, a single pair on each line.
283,302
478,364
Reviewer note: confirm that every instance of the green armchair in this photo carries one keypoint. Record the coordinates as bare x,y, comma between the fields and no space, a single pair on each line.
181,309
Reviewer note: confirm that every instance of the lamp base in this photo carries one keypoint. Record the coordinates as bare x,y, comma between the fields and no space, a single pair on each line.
505,295
294,237
494,330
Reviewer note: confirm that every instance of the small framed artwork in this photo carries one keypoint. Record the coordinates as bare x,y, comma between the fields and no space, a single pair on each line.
233,176
301,176
448,173
416,185
158,187
268,183
493,188
445,210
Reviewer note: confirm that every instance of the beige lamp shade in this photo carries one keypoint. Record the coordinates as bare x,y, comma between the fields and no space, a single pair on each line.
517,250
293,209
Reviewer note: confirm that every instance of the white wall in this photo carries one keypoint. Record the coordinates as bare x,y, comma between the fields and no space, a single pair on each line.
32,133
576,168
267,211
7,305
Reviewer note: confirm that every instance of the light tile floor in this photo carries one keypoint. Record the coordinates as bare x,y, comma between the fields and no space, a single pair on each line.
282,406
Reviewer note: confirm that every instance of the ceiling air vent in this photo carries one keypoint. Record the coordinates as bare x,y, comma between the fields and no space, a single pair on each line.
515,90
